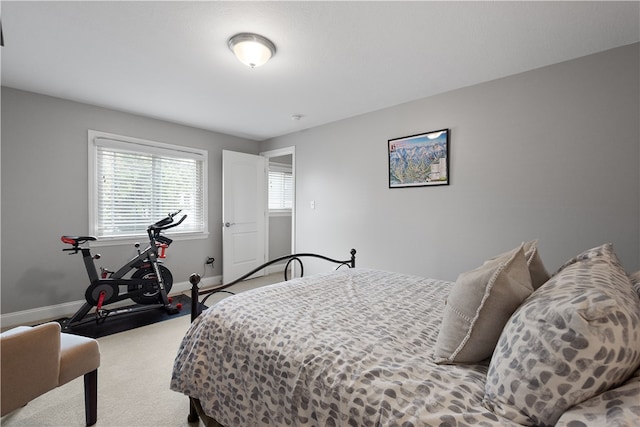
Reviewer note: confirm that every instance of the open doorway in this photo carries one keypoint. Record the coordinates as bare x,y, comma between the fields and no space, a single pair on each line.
280,230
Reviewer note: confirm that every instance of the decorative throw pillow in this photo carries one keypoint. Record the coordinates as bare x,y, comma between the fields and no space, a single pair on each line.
480,303
539,274
619,406
577,336
635,281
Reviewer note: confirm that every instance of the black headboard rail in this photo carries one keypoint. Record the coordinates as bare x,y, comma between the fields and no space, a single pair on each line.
194,279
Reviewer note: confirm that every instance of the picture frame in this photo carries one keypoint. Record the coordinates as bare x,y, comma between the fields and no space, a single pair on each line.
419,160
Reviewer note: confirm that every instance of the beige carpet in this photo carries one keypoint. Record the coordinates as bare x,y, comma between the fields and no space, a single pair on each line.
133,381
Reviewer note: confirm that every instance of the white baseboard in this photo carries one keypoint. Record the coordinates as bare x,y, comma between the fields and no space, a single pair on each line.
41,314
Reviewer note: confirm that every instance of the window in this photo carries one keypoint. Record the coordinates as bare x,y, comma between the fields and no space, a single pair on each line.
134,183
280,187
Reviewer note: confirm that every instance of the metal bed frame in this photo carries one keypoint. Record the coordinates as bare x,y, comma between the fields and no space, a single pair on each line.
196,293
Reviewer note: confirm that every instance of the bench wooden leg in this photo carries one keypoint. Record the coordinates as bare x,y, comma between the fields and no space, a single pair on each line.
91,397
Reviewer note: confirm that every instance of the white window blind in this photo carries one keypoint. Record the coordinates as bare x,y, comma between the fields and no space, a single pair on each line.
280,189
138,182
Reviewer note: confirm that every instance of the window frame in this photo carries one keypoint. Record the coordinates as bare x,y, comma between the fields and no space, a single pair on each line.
150,147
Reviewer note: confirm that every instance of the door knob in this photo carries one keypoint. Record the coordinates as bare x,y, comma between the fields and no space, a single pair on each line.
229,224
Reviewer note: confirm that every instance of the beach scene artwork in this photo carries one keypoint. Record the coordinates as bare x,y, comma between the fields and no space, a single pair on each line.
419,160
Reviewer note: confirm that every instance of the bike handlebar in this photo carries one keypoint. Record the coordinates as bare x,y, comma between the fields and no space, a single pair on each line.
153,231
166,222
176,224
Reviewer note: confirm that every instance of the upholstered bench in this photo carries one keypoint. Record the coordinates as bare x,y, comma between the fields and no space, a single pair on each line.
35,360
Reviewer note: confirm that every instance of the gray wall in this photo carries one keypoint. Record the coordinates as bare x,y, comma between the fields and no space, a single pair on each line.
44,195
279,236
551,154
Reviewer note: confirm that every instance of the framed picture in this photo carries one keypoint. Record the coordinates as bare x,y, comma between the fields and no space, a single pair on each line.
419,160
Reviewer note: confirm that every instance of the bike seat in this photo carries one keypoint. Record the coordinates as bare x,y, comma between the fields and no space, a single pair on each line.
76,240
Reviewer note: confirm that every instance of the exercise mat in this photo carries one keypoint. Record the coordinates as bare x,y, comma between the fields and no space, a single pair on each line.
124,322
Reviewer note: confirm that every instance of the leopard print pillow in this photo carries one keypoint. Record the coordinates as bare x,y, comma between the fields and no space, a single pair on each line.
576,336
635,281
616,407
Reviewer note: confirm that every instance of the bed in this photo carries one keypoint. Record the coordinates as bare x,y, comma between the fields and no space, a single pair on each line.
506,344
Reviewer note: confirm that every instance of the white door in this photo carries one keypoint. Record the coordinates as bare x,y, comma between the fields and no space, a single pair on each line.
243,213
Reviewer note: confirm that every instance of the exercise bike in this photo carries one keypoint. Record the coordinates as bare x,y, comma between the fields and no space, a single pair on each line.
148,285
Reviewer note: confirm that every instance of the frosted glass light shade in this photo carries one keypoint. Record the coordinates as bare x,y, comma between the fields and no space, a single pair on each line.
252,50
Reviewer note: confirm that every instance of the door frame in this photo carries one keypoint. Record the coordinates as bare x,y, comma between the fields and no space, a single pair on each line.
277,153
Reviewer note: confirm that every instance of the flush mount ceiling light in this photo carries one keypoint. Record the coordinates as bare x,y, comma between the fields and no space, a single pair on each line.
251,49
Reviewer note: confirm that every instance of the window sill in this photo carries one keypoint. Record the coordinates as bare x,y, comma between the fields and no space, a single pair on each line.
280,212
144,239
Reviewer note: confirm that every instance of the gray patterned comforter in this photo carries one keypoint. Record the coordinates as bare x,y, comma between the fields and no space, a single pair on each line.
349,348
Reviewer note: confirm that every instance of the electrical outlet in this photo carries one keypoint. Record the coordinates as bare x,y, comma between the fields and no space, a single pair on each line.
210,260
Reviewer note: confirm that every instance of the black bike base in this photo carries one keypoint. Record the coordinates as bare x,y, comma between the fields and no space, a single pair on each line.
172,310
136,316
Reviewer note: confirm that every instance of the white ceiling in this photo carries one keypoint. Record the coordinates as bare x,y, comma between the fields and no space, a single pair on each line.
170,60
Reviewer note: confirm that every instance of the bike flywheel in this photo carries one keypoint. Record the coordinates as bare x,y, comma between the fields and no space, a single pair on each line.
92,294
